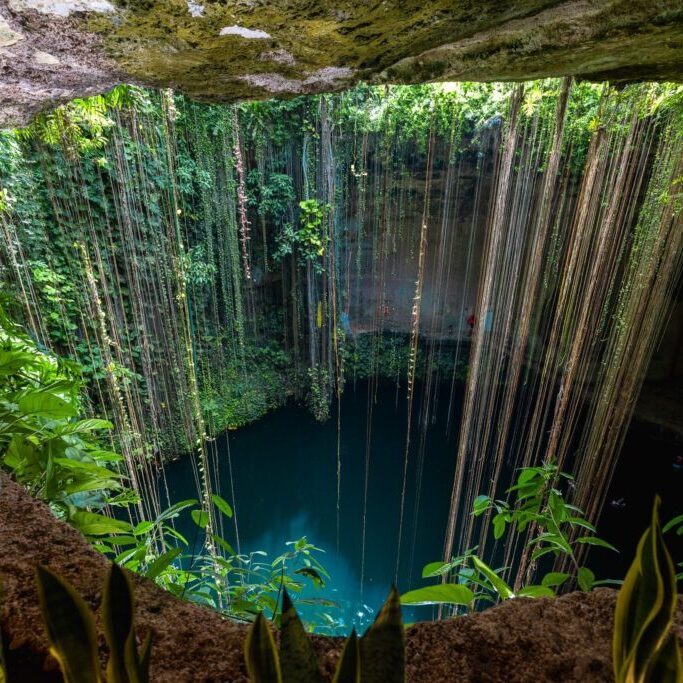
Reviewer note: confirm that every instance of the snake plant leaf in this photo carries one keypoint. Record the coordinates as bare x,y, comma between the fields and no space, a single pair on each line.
143,662
382,648
297,658
70,628
119,631
348,668
263,663
668,666
645,609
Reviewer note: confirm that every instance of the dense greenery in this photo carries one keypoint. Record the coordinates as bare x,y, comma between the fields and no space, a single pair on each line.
48,446
197,266
172,197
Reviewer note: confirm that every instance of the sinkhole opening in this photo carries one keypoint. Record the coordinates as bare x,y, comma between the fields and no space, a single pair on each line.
428,336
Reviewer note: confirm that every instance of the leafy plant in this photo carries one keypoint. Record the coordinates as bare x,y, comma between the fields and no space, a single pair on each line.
645,647
44,442
70,629
550,524
377,657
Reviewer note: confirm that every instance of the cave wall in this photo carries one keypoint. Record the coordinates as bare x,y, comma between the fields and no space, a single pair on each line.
387,287
54,50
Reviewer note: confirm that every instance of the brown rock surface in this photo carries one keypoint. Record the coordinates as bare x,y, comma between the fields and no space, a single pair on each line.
566,639
54,50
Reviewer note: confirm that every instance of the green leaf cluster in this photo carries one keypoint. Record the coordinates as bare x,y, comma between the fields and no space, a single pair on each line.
71,631
377,657
645,647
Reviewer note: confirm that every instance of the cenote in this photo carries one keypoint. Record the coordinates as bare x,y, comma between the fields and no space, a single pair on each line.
283,499
411,346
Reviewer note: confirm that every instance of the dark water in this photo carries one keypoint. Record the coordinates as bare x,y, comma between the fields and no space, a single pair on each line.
285,465
285,475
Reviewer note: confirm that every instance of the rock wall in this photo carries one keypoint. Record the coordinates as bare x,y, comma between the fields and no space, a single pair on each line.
55,50
566,639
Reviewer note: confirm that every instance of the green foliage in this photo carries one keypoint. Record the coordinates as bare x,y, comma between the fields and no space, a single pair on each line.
45,443
260,655
645,647
71,631
548,526
539,508
297,658
378,657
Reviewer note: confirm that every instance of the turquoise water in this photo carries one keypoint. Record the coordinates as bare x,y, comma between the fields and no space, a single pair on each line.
284,469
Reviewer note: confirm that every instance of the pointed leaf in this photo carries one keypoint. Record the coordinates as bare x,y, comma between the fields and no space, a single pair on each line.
200,518
263,665
70,628
117,619
348,667
498,584
645,607
382,647
222,505
297,659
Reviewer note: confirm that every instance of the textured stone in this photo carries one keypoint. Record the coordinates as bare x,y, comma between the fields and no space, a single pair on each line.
545,640
215,51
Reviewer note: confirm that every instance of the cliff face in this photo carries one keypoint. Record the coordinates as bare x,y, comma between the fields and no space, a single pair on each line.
566,639
55,50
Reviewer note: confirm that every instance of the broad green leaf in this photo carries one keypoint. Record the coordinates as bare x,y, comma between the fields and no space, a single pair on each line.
499,526
535,592
579,521
200,518
444,593
222,505
12,361
554,579
499,585
348,667
84,426
261,658
382,647
94,524
585,578
70,628
594,540
143,528
47,404
436,569
297,658
174,510
311,574
481,504
162,562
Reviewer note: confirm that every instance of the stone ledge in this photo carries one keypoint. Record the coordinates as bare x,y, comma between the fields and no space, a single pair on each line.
55,50
566,639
